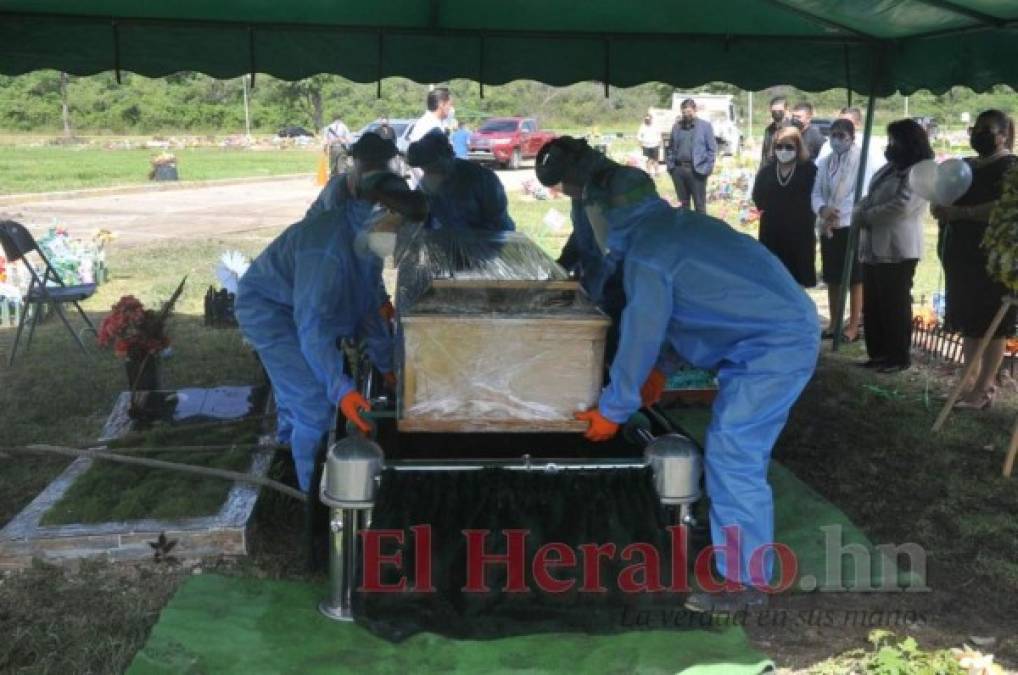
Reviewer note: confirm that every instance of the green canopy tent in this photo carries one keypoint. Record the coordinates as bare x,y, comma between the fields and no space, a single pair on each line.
812,44
874,46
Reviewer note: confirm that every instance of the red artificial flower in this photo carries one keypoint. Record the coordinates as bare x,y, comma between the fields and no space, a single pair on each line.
132,330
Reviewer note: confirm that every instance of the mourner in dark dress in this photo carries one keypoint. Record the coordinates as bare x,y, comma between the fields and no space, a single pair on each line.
782,193
973,297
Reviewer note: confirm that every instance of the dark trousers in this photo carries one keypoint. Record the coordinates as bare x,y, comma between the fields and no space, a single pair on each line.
688,183
887,310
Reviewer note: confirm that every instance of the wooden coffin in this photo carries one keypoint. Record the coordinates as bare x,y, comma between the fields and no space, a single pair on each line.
500,356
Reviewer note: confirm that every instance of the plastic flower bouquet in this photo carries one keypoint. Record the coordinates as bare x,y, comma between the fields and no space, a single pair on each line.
132,331
135,333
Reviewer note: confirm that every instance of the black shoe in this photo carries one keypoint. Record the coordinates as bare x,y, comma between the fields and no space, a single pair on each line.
872,363
891,368
827,335
732,601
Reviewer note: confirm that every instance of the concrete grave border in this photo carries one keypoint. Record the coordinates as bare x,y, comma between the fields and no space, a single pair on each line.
224,533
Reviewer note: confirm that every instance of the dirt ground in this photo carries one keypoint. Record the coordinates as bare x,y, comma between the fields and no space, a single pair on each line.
190,213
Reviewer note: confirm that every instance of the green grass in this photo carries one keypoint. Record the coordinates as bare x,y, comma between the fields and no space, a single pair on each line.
116,492
862,440
46,169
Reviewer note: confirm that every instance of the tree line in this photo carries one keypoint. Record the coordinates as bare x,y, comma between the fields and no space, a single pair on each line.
54,102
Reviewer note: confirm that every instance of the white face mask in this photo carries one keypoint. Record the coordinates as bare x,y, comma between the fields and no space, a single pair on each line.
598,223
785,156
382,244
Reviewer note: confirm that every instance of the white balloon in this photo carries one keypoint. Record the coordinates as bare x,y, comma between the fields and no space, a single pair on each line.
922,177
954,177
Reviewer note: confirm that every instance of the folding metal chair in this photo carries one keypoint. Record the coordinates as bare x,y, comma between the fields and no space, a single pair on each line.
48,289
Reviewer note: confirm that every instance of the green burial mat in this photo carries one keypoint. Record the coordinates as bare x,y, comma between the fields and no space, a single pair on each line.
810,525
227,625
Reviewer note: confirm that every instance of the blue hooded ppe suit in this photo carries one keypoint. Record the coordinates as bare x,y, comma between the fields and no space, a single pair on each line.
600,276
316,283
470,197
721,301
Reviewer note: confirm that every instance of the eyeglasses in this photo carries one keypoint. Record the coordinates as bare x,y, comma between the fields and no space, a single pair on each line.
785,146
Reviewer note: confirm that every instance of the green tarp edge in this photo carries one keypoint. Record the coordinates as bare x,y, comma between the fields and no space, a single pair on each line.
227,625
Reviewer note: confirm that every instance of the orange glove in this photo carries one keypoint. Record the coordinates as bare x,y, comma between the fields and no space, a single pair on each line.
650,392
601,428
351,406
387,311
390,380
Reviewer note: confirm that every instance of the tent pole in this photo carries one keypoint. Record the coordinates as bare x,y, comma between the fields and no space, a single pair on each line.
848,75
749,117
480,67
853,231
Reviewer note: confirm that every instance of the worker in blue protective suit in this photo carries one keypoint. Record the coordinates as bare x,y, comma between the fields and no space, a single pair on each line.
461,194
719,300
317,283
581,256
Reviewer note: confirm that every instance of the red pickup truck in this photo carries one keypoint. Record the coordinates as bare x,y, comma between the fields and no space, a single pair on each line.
507,141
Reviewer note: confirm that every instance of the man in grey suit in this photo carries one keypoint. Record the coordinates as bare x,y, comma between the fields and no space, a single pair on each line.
691,157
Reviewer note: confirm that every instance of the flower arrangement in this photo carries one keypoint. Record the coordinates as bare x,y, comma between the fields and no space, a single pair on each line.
1001,238
101,238
135,333
164,158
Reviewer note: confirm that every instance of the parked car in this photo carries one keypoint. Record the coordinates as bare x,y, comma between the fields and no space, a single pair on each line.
402,127
293,131
507,141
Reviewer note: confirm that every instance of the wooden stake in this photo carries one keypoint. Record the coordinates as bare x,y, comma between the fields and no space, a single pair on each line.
169,466
970,367
1012,450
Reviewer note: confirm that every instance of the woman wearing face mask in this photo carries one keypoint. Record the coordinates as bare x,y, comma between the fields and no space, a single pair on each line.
890,220
833,200
782,191
973,298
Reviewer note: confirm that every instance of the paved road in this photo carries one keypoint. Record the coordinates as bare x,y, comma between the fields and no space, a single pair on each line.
256,209
195,213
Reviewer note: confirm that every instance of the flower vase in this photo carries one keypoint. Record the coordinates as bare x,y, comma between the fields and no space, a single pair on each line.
143,374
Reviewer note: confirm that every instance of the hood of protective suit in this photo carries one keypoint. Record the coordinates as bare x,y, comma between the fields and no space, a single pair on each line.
616,201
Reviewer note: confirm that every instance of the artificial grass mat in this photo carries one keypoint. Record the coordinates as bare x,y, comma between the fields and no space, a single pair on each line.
227,625
245,625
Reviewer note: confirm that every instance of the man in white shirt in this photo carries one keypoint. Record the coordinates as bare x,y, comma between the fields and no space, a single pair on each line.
650,142
440,109
337,139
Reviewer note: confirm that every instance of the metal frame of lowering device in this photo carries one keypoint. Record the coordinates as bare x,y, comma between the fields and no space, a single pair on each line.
354,464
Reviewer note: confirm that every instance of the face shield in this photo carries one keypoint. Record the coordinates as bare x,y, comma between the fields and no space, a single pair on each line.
612,199
599,224
364,176
436,174
378,238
